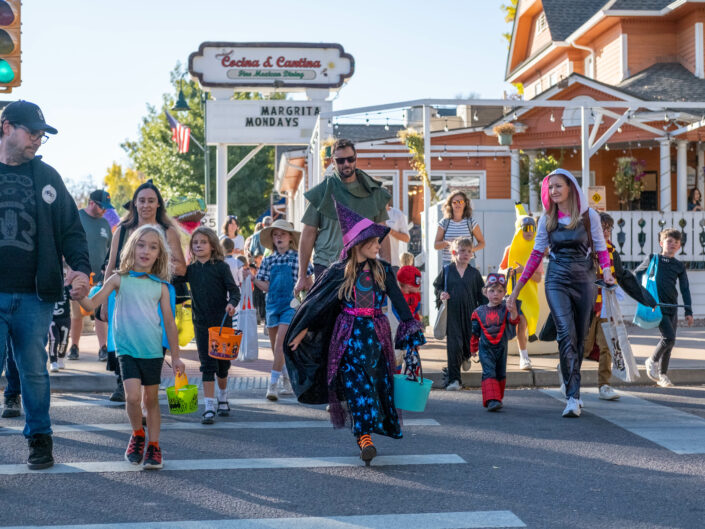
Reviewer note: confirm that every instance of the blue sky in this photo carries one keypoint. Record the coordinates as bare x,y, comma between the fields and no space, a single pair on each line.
94,65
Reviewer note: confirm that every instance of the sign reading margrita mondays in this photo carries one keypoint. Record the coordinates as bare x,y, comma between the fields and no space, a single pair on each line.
265,64
272,121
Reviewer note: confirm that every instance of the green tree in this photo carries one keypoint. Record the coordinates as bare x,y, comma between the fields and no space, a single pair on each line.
122,186
155,155
510,13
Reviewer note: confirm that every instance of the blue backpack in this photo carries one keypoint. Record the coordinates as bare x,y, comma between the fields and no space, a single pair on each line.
646,317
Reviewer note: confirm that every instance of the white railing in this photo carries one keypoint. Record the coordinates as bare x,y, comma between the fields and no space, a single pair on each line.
638,233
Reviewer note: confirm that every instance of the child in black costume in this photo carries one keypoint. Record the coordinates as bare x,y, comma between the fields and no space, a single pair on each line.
339,344
461,284
59,332
493,325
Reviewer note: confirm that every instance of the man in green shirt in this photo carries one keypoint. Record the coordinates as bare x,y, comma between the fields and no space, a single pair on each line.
321,232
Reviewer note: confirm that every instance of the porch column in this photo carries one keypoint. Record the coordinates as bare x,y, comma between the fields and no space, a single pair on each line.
682,176
665,175
221,186
585,148
514,178
699,171
533,195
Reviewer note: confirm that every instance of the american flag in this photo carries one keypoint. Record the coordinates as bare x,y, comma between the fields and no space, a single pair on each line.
181,134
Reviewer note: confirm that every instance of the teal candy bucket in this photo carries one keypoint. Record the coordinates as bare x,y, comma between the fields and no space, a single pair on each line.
411,395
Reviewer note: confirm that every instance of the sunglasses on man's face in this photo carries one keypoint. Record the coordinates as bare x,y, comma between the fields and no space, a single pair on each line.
349,159
496,278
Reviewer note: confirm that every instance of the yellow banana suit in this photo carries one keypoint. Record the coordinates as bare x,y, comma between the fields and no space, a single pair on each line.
519,252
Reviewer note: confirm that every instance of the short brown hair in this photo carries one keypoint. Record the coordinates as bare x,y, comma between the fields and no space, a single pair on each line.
670,232
343,143
606,220
228,245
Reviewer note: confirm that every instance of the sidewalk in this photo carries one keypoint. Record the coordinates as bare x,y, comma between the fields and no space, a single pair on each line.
687,365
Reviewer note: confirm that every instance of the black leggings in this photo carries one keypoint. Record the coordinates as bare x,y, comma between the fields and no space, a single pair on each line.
570,292
662,354
210,367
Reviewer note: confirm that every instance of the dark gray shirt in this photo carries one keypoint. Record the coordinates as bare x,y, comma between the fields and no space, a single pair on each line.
98,236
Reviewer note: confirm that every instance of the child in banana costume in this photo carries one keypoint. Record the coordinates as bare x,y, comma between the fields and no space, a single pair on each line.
513,262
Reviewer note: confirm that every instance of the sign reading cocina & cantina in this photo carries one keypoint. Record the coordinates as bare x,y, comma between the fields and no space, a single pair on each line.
274,122
285,65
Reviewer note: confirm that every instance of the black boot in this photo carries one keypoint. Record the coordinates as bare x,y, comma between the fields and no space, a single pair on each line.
40,452
119,393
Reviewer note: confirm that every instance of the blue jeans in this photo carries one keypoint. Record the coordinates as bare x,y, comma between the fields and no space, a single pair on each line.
13,387
25,319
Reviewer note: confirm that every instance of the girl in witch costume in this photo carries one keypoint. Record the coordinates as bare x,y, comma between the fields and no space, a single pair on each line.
493,325
339,345
572,232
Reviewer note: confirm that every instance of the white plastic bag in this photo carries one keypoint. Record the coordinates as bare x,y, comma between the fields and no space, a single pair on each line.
247,323
624,364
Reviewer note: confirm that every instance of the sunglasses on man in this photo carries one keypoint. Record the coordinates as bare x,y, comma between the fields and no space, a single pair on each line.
349,159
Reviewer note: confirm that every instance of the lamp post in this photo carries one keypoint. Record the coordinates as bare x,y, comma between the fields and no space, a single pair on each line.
182,105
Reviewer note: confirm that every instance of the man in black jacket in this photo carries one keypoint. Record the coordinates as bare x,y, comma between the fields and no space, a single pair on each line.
39,226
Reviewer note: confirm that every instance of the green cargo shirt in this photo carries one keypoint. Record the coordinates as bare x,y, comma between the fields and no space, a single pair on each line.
365,196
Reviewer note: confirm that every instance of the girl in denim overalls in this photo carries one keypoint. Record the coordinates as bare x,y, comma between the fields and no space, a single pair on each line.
277,276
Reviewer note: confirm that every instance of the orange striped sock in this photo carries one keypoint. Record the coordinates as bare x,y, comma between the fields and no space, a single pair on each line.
365,440
155,444
139,432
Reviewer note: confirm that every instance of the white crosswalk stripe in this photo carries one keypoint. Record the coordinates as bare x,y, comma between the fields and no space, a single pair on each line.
238,464
62,402
196,425
431,520
678,431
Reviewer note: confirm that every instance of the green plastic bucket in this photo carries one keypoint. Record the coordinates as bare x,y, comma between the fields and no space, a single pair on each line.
183,401
411,395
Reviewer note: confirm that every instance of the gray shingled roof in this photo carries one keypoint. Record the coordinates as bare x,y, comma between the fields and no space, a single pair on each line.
565,16
358,133
641,5
666,81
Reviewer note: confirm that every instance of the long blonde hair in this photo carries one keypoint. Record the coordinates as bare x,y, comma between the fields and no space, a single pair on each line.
160,268
350,274
552,213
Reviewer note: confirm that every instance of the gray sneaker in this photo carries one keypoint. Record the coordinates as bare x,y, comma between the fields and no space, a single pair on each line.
103,354
13,408
73,352
651,369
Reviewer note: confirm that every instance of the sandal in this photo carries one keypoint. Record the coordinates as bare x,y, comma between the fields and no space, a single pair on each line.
223,408
208,417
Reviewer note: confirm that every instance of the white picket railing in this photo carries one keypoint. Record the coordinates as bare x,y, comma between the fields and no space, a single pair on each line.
639,232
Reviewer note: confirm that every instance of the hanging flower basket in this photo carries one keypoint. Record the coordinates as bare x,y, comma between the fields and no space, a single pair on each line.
504,132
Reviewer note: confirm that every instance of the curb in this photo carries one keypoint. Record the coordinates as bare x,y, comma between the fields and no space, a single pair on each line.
515,379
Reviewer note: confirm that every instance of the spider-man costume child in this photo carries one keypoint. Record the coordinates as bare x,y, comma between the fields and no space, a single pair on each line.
493,325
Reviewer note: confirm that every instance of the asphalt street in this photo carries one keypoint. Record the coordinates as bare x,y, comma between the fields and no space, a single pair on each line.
458,466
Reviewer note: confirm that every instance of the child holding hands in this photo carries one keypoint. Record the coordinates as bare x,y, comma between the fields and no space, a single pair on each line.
493,325
214,293
143,290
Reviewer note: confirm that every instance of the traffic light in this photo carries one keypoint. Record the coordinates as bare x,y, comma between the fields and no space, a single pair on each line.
10,59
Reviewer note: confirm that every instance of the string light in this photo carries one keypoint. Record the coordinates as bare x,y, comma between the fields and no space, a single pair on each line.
665,117
386,126
619,129
367,121
638,144
552,118
475,118
514,115
445,127
607,147
562,127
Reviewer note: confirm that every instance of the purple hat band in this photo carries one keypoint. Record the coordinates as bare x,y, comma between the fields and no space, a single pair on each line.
356,230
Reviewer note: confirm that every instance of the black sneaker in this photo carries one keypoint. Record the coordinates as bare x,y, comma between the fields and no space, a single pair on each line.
494,405
103,354
13,408
135,450
40,452
73,352
153,458
119,393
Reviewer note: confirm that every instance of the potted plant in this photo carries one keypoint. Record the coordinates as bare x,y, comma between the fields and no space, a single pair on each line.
628,180
504,132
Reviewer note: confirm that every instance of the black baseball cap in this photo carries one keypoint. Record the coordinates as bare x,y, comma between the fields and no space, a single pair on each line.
102,198
27,114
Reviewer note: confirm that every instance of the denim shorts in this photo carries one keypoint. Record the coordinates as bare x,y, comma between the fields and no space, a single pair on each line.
148,370
279,316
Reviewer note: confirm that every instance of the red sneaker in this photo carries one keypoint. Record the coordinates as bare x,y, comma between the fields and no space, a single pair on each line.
153,459
135,449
